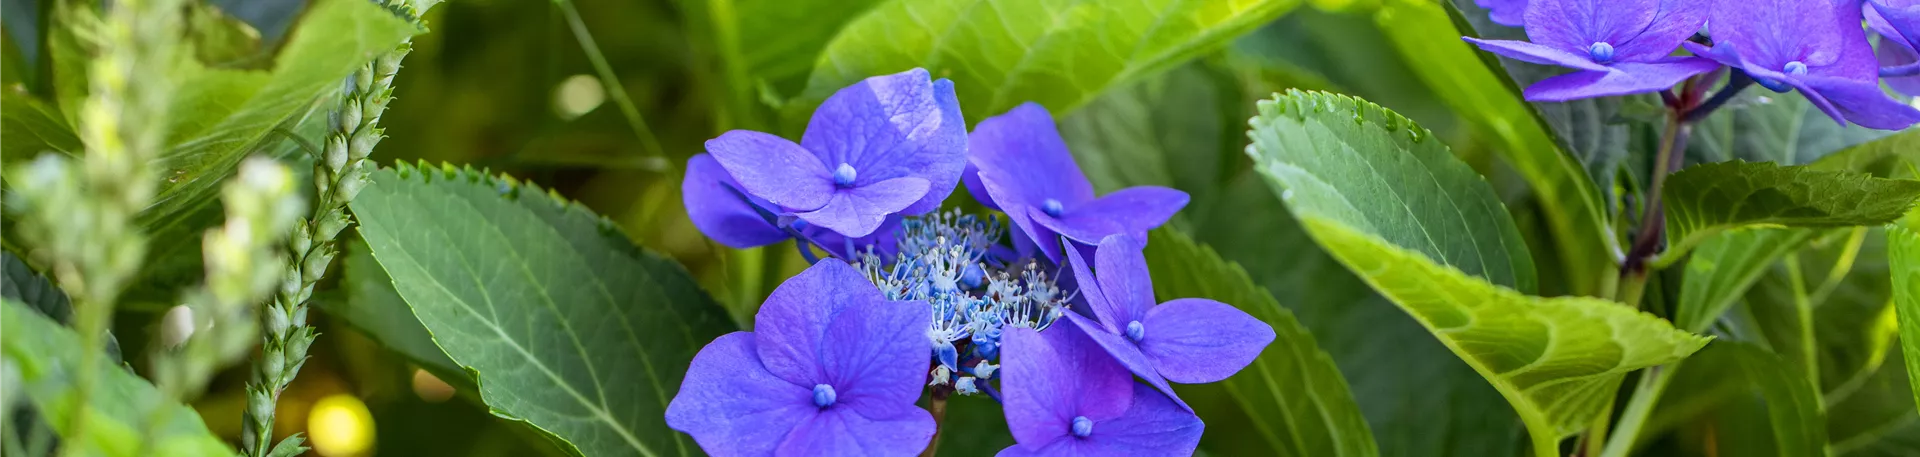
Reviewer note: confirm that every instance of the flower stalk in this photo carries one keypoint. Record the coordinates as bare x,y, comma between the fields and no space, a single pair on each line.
340,171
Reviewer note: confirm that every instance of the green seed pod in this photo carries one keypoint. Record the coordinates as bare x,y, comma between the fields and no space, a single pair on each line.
364,77
302,239
333,222
350,115
297,347
315,265
351,186
337,151
276,322
272,368
365,139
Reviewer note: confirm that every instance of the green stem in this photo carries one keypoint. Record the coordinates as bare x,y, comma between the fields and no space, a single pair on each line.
939,409
612,82
1646,395
1803,310
1546,443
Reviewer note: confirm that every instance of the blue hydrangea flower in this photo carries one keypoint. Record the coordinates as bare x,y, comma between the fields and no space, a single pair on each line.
1815,47
887,145
724,212
1188,340
832,368
1511,13
1066,397
1024,169
1898,23
1618,47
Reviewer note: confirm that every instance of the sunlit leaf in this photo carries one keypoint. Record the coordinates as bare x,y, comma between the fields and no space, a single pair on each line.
1705,199
562,321
1903,257
1001,53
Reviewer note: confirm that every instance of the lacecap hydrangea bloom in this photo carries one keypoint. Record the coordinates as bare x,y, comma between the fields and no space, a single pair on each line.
911,300
1817,48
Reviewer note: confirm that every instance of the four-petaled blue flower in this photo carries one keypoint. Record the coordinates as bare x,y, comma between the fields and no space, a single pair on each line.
888,145
1066,397
1898,23
1188,340
1816,47
1018,164
1618,47
832,368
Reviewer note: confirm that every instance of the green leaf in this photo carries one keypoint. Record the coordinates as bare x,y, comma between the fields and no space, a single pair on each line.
1367,184
1903,257
1878,418
221,115
1705,199
1896,156
778,40
1854,321
33,127
292,446
1762,126
1178,129
1365,167
370,303
1722,269
1427,37
19,283
561,320
47,356
1293,392
1001,53
1401,376
1793,407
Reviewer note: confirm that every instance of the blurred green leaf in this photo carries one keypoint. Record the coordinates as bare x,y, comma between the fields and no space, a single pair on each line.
1722,269
1763,126
496,271
1854,321
121,408
1793,407
32,127
779,40
220,40
371,304
1903,257
1363,183
1876,419
1895,156
1356,163
1568,197
1705,199
18,282
1293,392
1171,130
1001,53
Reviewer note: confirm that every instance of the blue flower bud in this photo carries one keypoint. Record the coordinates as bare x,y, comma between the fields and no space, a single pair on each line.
1082,426
973,277
1796,68
823,395
1136,331
965,386
844,175
1601,52
948,356
1052,207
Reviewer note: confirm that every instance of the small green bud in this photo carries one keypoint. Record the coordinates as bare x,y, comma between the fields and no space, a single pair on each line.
176,326
350,115
297,347
337,152
302,239
388,64
364,77
261,409
276,323
351,186
334,221
322,182
365,139
315,265
271,368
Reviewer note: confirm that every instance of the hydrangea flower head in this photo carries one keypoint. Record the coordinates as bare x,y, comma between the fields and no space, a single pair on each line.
832,368
1188,340
1025,170
1816,47
1067,397
1511,13
1617,47
893,144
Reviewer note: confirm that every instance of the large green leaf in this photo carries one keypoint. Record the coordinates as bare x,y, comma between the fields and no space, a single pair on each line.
1793,407
122,408
1001,53
1891,157
1705,199
1363,166
778,40
1903,257
1401,376
1294,393
1723,267
222,115
1367,186
369,302
562,321
1574,211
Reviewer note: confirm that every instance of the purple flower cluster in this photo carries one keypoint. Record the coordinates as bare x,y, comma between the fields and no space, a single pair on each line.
910,299
1818,48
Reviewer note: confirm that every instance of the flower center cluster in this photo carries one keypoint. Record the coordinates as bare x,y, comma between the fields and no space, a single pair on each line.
1601,52
1082,426
823,395
844,175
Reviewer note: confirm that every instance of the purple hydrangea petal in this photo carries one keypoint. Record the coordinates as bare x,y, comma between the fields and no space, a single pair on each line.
874,353
885,241
901,430
1120,265
1626,78
773,168
858,211
1511,13
1027,236
717,207
1195,340
1819,100
1131,211
1060,446
1155,425
1896,19
710,405
1863,103
1575,25
1049,377
1771,33
1539,54
1672,24
1090,290
1023,161
1895,55
791,325
1127,353
971,179
893,126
